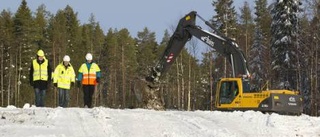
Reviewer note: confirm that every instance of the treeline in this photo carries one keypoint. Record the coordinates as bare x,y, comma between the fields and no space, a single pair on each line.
123,59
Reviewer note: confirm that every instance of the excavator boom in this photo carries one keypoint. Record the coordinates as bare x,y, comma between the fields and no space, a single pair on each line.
183,33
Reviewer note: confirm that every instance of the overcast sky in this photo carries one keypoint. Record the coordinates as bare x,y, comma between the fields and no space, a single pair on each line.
134,15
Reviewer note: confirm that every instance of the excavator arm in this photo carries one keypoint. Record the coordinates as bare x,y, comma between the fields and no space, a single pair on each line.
183,33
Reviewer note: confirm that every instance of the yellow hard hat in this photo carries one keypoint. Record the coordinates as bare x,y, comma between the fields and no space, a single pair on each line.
40,53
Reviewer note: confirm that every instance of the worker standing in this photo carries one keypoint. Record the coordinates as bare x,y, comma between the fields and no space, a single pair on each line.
89,76
63,79
39,77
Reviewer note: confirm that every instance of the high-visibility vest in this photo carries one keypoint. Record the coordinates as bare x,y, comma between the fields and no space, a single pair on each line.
89,76
40,71
64,76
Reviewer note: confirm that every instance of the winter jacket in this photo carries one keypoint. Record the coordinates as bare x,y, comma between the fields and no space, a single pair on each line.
40,74
63,76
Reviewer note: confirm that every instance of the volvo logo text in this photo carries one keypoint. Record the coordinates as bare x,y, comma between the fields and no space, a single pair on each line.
207,40
292,99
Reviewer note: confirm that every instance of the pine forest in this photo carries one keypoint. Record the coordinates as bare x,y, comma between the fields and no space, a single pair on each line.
280,41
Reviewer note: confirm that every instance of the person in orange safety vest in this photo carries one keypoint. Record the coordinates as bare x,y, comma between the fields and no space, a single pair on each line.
89,76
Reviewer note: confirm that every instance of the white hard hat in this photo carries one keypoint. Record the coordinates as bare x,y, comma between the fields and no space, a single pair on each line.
66,58
89,56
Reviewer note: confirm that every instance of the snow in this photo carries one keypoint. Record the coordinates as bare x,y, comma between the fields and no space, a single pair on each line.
31,121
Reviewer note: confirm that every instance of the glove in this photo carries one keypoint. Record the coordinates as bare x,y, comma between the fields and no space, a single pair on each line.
55,84
31,83
72,84
78,84
98,80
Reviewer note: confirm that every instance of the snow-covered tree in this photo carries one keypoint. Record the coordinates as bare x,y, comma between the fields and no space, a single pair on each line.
257,57
226,18
225,21
6,50
284,29
24,33
246,25
258,52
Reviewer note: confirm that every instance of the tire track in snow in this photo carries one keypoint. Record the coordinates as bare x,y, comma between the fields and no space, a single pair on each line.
69,120
101,116
201,125
140,123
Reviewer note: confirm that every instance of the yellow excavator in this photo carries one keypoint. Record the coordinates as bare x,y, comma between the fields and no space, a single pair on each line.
231,93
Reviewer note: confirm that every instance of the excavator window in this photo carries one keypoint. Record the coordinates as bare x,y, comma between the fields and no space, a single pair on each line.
228,91
246,86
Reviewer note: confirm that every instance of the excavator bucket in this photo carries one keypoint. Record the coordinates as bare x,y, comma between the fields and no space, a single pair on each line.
148,96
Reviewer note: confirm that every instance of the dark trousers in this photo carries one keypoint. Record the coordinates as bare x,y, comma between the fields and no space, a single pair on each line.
40,97
88,91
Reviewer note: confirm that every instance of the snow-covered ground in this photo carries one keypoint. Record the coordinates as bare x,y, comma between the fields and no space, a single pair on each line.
106,122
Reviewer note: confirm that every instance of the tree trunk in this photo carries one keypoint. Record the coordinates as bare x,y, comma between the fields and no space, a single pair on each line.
316,80
182,85
9,86
123,77
189,85
178,85
130,95
1,77
110,92
194,87
18,87
312,89
18,74
54,64
211,82
115,89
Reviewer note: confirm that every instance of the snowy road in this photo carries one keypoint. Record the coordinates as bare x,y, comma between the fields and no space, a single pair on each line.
105,122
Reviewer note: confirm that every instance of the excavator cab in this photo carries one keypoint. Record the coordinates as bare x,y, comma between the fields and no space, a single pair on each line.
228,91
